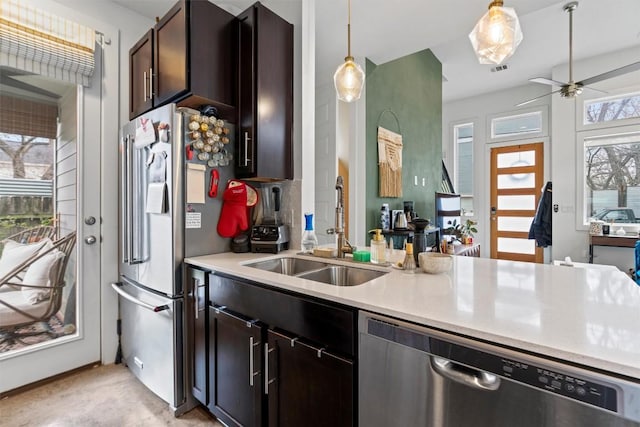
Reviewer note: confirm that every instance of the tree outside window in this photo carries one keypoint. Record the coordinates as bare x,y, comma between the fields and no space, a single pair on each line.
612,174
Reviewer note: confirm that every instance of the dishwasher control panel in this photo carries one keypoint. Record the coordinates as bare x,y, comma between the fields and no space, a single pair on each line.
566,385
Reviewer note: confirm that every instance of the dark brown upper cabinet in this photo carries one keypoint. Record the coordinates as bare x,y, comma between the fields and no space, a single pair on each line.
140,70
265,99
193,60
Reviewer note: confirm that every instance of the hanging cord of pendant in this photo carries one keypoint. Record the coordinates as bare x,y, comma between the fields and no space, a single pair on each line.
349,30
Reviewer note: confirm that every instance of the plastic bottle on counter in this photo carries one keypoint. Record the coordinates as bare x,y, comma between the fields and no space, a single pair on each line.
378,247
309,239
385,217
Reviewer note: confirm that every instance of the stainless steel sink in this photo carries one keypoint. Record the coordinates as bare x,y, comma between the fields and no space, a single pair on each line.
340,275
288,266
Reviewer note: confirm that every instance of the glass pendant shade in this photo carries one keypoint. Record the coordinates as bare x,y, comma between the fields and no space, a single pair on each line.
496,35
349,80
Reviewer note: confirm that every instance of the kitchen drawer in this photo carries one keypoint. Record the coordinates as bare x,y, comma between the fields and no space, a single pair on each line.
331,326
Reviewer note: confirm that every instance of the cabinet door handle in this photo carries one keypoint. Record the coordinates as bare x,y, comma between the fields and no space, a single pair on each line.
196,297
267,381
150,83
252,373
246,149
144,86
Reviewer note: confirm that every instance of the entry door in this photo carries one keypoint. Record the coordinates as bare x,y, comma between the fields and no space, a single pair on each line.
76,206
516,187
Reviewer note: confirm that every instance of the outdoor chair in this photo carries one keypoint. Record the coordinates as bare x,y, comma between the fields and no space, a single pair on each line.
31,290
34,234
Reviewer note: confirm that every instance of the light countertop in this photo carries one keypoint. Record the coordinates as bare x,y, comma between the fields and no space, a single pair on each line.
586,316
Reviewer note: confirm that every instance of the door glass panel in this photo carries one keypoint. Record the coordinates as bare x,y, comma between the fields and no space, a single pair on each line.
514,245
510,160
38,169
517,202
513,223
519,180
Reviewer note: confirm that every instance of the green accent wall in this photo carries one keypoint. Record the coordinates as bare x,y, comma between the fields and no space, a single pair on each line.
411,87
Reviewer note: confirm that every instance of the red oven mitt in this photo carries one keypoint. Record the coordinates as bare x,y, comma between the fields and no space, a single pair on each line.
233,216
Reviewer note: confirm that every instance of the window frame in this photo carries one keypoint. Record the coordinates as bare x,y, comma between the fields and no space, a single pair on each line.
581,218
590,96
543,110
454,133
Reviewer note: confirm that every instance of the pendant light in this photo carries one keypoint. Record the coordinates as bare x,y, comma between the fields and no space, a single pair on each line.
497,34
349,77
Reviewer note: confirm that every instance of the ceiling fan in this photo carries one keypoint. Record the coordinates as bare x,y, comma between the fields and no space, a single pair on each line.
573,88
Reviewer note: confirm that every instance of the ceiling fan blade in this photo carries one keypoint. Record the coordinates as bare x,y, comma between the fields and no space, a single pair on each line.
594,89
545,81
610,74
536,98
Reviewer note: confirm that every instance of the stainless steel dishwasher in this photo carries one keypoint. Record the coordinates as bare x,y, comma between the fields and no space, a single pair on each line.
416,376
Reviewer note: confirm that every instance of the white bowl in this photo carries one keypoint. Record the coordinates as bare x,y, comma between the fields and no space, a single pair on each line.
434,262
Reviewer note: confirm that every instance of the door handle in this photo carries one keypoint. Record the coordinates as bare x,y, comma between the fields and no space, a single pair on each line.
473,378
150,83
267,382
252,373
90,240
144,86
155,308
196,297
246,149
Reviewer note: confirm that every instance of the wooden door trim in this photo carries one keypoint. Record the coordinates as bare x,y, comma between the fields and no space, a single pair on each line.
538,170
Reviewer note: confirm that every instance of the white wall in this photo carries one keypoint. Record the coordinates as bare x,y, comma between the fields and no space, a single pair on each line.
561,156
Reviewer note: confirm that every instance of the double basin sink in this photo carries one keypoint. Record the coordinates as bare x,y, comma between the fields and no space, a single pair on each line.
332,274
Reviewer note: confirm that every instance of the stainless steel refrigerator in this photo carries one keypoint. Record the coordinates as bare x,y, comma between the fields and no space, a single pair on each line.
166,214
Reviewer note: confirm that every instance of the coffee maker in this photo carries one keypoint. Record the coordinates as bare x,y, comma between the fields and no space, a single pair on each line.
270,235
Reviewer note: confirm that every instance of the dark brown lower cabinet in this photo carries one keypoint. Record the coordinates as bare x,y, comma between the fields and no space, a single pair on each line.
306,385
266,366
197,306
235,368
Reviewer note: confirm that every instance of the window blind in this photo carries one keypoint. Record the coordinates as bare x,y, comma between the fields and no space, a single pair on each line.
29,118
38,42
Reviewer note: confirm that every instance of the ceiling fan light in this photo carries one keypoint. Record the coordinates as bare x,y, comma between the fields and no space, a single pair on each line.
496,35
349,80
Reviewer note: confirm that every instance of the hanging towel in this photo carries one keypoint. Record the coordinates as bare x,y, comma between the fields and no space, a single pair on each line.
541,226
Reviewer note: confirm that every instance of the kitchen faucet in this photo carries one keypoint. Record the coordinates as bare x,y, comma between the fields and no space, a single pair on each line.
344,246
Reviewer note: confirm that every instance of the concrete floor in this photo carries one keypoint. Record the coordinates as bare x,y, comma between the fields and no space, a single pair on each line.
100,396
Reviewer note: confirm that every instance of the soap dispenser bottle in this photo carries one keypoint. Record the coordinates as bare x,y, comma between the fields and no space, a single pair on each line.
378,247
309,239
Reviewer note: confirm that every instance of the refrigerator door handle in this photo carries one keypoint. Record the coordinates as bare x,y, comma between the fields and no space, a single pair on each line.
155,308
135,204
125,199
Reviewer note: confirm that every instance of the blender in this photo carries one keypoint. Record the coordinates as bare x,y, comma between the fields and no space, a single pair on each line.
270,235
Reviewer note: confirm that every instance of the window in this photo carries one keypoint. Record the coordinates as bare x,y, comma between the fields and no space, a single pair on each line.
611,176
463,140
609,109
516,125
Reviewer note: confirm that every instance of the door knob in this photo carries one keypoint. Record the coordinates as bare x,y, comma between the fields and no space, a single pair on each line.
90,240
90,220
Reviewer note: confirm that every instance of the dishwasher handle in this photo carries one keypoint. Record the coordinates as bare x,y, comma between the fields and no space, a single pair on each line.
473,378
